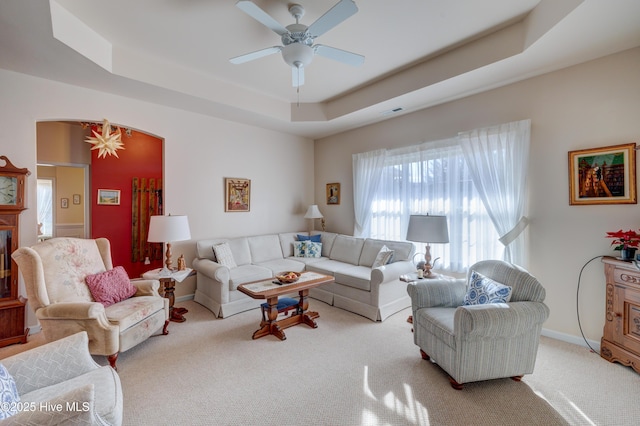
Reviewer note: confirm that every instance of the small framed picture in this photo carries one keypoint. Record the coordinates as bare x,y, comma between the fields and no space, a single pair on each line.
64,203
333,193
237,194
603,175
76,198
110,197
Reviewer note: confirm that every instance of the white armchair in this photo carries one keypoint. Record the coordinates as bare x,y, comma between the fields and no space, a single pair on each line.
480,342
63,374
54,273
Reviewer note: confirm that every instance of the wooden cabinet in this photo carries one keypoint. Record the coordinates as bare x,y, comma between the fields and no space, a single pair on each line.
621,336
12,312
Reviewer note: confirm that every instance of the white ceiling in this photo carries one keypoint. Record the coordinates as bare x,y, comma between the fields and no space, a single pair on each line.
419,53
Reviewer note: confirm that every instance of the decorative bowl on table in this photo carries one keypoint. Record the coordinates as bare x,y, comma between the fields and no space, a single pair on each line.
288,277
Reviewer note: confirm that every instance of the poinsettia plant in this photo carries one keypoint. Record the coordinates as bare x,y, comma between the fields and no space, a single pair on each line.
624,239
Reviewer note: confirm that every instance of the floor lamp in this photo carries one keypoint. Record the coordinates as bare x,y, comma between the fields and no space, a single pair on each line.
428,229
166,229
314,213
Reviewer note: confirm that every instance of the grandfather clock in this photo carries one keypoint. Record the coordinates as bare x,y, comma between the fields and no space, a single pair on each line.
12,187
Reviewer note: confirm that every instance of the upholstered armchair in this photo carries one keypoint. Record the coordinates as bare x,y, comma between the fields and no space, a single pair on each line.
59,383
56,274
480,341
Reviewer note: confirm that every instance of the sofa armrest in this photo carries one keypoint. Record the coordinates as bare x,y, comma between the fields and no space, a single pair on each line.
498,319
437,293
391,272
146,287
213,270
51,363
72,310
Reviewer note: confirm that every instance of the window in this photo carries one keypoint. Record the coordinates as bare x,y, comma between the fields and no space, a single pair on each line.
45,208
433,178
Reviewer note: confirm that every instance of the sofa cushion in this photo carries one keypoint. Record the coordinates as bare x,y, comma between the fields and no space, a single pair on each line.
347,249
355,276
8,394
286,243
312,249
280,265
328,266
264,248
327,239
224,256
248,273
439,322
133,310
110,286
401,250
483,290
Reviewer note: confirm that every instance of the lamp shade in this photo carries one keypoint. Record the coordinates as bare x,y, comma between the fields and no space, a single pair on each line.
313,212
164,229
428,229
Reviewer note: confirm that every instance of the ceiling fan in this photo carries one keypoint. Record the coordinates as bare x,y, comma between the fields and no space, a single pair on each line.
298,40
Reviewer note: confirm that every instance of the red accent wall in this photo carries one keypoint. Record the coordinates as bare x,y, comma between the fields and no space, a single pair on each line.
141,157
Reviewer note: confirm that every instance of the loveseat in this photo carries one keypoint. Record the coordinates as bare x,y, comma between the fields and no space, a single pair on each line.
359,287
60,383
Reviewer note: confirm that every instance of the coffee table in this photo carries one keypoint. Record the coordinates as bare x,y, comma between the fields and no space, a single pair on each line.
270,290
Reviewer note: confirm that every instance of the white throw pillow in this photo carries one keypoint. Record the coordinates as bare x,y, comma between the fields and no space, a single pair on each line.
383,257
224,255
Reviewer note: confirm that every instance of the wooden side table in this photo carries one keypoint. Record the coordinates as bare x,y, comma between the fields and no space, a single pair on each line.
168,284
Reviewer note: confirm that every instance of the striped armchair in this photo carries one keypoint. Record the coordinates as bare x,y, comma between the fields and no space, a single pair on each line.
479,342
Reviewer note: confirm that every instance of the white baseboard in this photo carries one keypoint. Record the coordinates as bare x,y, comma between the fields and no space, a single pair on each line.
576,340
184,298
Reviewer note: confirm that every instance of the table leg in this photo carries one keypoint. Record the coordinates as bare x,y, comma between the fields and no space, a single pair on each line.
270,326
308,317
175,314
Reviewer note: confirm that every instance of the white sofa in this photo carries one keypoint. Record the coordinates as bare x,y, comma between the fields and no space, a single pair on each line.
374,293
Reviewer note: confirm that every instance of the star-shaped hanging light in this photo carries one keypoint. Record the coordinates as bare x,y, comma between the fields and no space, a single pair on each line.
107,142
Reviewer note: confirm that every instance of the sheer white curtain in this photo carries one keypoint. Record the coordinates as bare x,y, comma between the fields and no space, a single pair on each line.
432,178
367,172
498,158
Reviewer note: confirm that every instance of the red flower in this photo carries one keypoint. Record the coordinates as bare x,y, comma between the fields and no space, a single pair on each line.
624,239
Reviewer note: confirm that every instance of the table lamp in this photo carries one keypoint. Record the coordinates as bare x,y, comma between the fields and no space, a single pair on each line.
314,213
165,229
428,229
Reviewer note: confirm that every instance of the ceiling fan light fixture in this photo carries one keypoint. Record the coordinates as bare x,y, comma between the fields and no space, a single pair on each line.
297,55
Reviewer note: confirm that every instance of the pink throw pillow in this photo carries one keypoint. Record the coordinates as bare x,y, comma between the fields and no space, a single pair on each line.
111,286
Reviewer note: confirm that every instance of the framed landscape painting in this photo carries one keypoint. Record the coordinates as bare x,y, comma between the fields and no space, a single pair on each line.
603,175
109,197
237,194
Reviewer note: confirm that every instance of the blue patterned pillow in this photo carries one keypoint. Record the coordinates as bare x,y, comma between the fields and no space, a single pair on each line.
312,249
298,248
8,394
483,290
314,238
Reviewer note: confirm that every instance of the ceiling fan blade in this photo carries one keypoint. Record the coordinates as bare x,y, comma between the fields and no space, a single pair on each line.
338,13
255,55
251,9
297,76
339,55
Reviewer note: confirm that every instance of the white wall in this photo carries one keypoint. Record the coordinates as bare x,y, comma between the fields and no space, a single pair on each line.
199,152
591,105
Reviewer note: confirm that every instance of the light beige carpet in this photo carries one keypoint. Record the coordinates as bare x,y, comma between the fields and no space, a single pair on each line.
351,371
